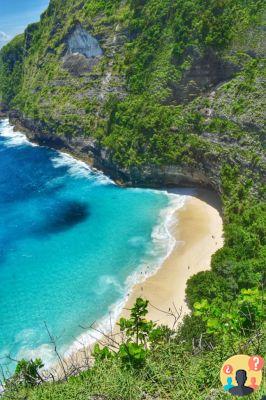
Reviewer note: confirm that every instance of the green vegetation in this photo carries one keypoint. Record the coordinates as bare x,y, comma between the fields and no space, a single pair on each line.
11,68
186,89
154,363
139,335
27,373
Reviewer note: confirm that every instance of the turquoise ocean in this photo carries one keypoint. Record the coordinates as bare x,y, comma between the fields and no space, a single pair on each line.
72,245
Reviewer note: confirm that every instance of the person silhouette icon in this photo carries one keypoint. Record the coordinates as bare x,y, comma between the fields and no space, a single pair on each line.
229,384
253,384
241,389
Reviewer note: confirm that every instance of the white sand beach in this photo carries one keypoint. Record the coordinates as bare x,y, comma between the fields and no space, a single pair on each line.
198,230
199,234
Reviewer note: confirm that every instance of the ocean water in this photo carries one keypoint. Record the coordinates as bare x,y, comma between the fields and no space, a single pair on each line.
72,244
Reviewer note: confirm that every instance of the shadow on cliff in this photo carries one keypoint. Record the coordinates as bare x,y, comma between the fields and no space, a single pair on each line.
207,195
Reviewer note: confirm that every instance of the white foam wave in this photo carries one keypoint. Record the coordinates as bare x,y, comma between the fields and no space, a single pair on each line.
163,243
45,352
13,139
76,168
104,283
79,169
102,326
25,336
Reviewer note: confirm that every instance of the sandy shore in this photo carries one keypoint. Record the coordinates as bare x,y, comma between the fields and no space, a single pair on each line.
199,234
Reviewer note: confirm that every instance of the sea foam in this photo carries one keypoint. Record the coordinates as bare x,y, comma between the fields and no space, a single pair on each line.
79,169
14,139
158,249
163,243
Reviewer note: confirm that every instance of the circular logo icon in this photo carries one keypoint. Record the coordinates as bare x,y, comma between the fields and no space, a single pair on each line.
241,375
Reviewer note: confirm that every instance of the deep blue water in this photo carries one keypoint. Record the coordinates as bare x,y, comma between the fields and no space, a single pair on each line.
71,244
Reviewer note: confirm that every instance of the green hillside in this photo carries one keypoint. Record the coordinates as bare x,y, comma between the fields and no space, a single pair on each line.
176,85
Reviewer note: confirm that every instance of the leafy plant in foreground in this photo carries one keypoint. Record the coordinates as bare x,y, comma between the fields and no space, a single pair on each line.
27,373
139,335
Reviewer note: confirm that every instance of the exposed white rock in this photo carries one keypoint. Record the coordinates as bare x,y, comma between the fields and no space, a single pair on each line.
81,42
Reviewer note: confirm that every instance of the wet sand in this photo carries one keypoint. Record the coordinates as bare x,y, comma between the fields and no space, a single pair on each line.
199,234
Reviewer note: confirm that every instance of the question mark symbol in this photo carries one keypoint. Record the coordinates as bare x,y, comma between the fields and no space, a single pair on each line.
227,369
256,362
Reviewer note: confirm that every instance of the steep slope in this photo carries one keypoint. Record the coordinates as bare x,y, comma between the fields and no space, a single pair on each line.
123,76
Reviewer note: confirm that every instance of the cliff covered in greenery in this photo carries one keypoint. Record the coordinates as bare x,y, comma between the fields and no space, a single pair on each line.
173,83
160,92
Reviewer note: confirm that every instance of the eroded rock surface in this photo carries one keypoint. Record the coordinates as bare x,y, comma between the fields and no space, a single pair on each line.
83,52
80,41
206,71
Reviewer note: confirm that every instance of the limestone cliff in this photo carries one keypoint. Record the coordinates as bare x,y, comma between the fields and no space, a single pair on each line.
152,93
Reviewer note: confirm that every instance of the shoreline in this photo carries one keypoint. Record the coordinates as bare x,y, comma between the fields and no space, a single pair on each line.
87,149
162,238
198,231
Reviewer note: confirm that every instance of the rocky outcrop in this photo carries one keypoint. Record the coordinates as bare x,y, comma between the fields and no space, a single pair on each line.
77,64
81,42
83,51
3,110
206,71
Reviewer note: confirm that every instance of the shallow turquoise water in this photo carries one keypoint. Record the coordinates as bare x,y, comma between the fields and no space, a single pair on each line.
72,243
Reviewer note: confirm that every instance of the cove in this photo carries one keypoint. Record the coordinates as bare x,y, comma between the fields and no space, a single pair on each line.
72,244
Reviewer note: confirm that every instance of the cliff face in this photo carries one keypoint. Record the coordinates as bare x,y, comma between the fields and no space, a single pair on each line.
81,42
83,52
151,92
89,149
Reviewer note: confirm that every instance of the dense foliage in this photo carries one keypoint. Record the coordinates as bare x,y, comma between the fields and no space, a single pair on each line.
185,88
154,363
